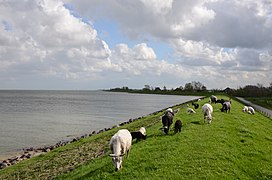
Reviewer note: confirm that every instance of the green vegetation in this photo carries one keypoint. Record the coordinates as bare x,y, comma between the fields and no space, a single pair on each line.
234,146
197,88
253,91
261,101
193,88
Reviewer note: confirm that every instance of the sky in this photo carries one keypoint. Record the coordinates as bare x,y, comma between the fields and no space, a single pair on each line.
101,44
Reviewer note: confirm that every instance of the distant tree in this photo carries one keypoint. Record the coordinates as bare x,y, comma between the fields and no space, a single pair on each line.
203,88
253,91
195,86
270,87
125,88
188,87
164,88
146,88
179,88
198,86
157,89
259,85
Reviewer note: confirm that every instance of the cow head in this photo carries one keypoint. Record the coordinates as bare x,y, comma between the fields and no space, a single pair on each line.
117,161
209,117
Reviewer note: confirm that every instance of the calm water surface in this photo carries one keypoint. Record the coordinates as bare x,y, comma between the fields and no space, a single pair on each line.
39,118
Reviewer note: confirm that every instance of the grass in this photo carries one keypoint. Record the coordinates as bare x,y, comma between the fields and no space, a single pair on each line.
234,146
261,101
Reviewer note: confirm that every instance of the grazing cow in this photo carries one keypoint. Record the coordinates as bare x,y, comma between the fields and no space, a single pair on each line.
221,101
176,111
120,144
170,110
196,106
245,109
226,107
207,110
167,120
251,110
178,126
213,99
143,130
190,111
138,135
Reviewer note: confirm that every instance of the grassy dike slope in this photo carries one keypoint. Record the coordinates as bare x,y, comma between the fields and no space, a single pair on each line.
235,145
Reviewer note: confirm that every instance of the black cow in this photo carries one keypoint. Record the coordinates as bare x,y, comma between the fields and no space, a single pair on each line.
167,121
141,134
178,126
195,105
226,107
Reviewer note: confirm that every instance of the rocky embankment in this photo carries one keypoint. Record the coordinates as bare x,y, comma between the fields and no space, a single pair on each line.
31,152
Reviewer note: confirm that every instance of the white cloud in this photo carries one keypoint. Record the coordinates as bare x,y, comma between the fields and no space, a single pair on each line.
227,42
198,53
142,52
158,7
139,60
48,36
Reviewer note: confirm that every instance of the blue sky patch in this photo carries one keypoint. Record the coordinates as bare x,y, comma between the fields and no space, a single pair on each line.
112,35
7,26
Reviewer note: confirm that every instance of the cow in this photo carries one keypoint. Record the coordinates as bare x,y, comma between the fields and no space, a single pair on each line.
120,145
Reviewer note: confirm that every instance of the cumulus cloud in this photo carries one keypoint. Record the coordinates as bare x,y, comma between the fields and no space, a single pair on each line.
216,34
142,52
47,37
227,42
47,40
223,23
199,53
141,60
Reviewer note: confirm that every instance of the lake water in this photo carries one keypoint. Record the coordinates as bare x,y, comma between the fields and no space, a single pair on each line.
39,118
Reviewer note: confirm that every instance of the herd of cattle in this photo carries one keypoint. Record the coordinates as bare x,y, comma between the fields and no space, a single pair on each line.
121,142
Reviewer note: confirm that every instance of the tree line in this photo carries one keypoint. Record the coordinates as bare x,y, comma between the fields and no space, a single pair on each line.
197,88
252,91
189,88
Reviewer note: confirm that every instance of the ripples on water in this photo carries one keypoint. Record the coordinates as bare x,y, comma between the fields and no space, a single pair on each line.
38,118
